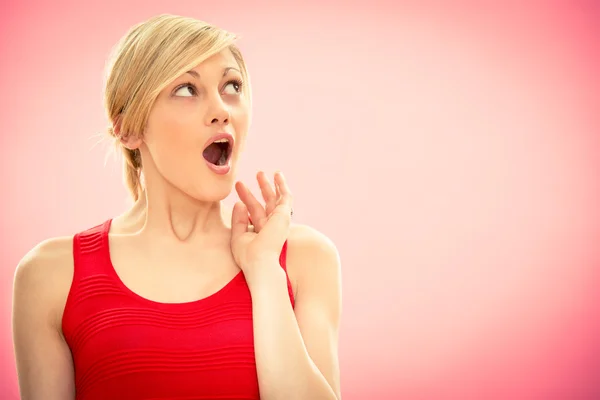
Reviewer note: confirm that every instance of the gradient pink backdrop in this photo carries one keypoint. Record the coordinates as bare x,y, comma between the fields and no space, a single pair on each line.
450,149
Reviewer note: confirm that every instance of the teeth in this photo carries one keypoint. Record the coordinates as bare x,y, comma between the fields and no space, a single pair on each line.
222,141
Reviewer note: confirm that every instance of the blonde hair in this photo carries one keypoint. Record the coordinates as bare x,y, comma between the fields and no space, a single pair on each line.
149,57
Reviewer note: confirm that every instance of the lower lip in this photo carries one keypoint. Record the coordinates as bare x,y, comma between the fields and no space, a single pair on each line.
219,169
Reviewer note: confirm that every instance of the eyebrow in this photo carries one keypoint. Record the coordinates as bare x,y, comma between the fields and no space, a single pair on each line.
225,72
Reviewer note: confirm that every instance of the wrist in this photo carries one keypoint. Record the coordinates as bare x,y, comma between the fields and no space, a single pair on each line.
265,274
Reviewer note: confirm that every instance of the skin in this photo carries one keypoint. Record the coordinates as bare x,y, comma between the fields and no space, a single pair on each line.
191,246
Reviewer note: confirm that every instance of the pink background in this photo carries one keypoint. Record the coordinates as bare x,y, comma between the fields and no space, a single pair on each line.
451,151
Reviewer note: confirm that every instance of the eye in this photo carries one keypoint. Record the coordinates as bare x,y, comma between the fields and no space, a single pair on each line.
235,87
186,90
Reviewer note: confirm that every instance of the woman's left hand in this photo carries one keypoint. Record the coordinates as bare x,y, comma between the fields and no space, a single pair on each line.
262,246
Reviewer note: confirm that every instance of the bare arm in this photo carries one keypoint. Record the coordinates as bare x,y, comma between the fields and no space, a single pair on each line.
41,284
297,354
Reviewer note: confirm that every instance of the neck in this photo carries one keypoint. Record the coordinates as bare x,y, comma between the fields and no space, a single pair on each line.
173,216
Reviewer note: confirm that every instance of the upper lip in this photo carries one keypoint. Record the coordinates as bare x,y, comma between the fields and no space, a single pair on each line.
219,136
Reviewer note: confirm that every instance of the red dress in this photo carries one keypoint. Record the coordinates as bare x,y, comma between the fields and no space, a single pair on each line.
127,347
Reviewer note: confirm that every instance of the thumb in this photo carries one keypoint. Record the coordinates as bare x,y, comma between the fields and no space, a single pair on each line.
239,220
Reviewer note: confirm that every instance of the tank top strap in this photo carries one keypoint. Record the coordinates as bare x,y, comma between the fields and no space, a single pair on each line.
90,251
283,263
90,278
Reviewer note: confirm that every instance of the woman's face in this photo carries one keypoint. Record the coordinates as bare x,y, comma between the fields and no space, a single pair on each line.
199,107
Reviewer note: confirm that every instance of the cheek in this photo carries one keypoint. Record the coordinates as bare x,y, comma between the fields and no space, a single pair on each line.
180,118
241,121
172,133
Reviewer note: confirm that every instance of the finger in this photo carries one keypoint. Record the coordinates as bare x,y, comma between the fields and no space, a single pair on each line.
283,190
239,220
276,230
267,192
279,223
256,209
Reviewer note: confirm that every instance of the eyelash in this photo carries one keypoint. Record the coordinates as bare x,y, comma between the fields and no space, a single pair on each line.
238,82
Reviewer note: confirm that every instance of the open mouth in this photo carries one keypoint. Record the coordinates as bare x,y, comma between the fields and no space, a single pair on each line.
218,152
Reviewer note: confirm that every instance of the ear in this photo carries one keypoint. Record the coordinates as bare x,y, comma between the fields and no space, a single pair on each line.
132,142
129,141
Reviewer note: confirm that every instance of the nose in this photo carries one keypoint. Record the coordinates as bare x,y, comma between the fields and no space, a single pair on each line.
218,112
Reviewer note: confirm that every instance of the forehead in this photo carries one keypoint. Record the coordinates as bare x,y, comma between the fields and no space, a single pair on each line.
217,62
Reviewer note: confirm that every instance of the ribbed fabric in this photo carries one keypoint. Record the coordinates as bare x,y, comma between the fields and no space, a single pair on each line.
127,347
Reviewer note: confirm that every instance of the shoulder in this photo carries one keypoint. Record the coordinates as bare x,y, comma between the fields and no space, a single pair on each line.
312,256
44,259
309,242
43,276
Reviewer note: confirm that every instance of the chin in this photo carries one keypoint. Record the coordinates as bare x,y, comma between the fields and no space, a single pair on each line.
213,190
206,184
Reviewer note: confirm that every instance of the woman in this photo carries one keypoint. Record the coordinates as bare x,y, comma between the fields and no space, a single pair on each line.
168,300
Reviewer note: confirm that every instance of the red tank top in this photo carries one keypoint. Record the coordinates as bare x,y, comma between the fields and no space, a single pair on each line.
127,347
